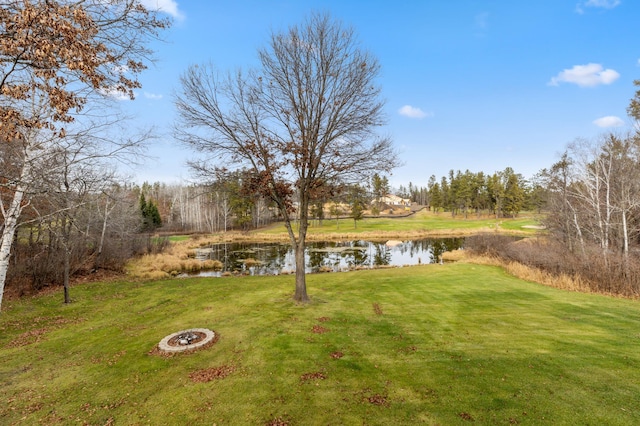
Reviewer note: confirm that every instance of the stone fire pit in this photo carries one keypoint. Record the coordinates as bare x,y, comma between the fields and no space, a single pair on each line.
186,340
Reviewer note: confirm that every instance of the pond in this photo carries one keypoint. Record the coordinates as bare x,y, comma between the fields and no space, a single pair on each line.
335,256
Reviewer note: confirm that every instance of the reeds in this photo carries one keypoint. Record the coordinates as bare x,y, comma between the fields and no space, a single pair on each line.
177,259
528,273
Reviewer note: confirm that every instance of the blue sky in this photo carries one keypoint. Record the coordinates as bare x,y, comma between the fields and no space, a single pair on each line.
469,84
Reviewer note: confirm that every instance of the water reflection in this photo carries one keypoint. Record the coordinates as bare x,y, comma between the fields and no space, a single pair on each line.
275,258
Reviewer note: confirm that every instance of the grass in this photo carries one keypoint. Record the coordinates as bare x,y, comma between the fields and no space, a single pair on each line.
424,223
178,238
436,344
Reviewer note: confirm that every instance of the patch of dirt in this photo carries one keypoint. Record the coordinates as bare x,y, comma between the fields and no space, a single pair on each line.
324,319
409,349
466,416
379,400
313,376
209,374
278,421
337,355
377,309
32,408
318,329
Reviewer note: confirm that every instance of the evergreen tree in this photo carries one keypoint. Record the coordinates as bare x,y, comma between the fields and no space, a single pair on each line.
151,219
357,201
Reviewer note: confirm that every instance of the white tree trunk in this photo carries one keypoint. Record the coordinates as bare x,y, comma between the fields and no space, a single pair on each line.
625,236
104,224
11,216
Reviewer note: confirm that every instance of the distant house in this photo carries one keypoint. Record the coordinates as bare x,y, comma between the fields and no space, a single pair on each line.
394,200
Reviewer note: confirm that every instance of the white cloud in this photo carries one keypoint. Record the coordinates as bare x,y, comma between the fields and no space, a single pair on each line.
413,112
115,94
169,7
606,4
153,96
585,76
603,4
609,121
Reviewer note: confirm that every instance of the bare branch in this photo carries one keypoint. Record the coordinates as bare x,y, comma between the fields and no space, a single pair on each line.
306,120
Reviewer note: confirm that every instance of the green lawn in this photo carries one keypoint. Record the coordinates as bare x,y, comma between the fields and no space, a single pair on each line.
436,344
420,222
178,238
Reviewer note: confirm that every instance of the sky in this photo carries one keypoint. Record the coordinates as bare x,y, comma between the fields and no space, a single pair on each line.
476,85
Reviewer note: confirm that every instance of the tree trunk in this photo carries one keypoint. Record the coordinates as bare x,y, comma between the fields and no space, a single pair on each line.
625,236
8,233
104,231
11,221
301,277
299,246
66,234
67,267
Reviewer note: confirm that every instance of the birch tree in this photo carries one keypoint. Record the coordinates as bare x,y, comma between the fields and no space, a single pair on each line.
305,119
597,196
56,59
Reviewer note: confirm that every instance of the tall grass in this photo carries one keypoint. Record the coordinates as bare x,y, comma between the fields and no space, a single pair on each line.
536,275
178,258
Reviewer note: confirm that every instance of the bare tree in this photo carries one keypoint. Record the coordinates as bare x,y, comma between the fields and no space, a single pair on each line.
304,120
56,59
68,172
598,200
76,169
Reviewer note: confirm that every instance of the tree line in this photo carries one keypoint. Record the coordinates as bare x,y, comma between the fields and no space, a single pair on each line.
502,194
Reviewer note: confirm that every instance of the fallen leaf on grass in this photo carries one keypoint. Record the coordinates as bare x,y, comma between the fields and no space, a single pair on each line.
313,376
377,399
28,337
377,309
208,374
466,416
278,421
318,329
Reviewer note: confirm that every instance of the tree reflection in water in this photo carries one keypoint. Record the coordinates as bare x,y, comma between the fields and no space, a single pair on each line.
275,258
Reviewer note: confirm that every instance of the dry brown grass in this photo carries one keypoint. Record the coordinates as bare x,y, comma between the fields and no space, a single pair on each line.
454,256
177,259
527,273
